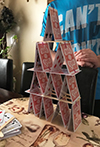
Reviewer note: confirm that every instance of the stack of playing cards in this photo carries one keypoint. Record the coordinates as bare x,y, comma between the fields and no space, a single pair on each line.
12,128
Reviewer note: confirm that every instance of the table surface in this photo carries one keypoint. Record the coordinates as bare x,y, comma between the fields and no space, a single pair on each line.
37,132
6,95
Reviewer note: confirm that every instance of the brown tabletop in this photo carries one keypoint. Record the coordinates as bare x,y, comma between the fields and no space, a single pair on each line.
38,132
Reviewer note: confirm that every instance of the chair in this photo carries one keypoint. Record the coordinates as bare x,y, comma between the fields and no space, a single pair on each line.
26,78
86,81
6,74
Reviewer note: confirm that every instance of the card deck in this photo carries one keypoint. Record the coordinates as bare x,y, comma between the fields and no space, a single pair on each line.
9,126
13,133
13,125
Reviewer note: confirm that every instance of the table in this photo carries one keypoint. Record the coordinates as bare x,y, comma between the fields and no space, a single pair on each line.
38,132
6,95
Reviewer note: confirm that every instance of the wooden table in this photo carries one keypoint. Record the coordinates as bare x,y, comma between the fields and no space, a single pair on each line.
38,132
6,95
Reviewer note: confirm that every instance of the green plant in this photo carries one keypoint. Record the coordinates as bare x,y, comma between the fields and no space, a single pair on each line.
5,51
7,21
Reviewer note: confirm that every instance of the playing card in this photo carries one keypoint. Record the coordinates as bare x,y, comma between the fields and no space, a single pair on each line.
49,86
13,125
58,61
65,112
45,56
64,108
57,82
48,30
35,87
55,23
6,117
69,57
48,107
37,63
73,88
30,105
2,112
37,104
76,112
42,78
13,133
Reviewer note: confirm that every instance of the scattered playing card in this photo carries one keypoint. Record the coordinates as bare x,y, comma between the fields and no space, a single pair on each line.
12,128
15,124
2,112
6,117
13,133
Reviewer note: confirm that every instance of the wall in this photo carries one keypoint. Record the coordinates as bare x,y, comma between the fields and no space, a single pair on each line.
28,16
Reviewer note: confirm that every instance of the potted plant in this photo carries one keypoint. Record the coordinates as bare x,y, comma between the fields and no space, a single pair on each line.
5,50
7,23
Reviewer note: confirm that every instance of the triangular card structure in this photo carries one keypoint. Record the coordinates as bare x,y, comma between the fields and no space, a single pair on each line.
65,56
52,26
39,87
43,88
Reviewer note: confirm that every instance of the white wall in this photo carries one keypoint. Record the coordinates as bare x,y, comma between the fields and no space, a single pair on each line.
28,16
